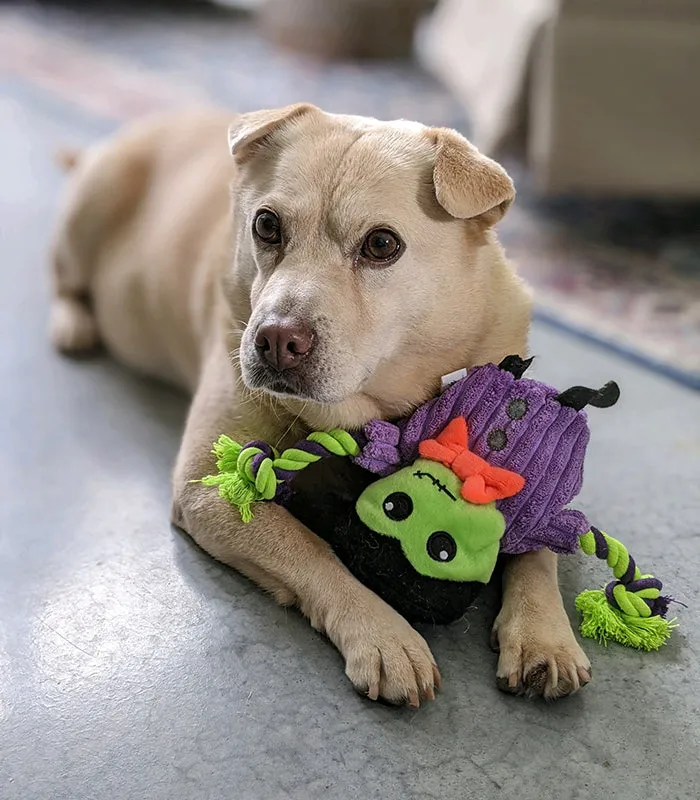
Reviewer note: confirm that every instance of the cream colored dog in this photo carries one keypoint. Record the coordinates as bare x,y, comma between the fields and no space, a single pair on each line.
351,265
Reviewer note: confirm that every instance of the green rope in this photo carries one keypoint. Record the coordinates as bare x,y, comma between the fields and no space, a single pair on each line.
242,483
618,557
600,621
620,612
336,442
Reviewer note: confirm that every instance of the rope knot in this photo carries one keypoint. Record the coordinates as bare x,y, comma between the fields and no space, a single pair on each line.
630,610
245,473
639,598
253,472
255,466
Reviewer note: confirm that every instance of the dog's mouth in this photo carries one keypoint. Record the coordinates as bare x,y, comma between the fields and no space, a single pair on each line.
285,384
282,388
294,384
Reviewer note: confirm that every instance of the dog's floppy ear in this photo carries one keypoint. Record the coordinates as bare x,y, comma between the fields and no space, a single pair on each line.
469,185
249,131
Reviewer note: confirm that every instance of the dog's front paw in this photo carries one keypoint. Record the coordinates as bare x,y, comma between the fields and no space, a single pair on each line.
539,654
72,326
386,658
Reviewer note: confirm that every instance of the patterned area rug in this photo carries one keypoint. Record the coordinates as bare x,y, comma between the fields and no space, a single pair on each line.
625,274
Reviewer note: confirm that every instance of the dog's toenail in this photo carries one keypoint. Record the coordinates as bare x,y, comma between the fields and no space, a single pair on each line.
505,685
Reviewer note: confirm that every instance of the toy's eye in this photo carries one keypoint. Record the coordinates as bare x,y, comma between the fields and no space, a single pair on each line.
441,546
398,506
497,439
516,408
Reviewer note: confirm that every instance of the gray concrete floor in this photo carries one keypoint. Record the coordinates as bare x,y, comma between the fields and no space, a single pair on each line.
133,666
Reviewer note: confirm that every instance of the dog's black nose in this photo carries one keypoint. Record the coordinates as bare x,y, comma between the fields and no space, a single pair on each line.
284,343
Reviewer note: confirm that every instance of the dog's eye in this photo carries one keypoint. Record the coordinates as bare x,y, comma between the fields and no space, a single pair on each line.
381,246
398,506
441,546
266,226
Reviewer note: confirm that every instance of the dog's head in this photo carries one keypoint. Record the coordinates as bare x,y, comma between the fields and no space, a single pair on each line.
364,250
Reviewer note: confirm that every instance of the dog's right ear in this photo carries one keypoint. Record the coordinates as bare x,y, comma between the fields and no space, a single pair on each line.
250,131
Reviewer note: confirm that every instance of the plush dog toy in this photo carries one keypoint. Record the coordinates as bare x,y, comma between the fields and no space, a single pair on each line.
487,467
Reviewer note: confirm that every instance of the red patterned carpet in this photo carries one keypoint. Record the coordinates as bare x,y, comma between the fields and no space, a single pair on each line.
625,274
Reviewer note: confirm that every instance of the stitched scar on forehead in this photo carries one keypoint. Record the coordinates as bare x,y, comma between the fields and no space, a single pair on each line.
439,484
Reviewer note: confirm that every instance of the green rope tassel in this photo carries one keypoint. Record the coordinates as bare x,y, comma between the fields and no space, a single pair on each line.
629,610
254,472
236,482
600,621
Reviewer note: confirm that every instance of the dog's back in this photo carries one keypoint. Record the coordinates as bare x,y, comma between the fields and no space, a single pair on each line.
131,257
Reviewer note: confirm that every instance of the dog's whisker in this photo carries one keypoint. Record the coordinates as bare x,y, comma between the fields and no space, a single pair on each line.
292,423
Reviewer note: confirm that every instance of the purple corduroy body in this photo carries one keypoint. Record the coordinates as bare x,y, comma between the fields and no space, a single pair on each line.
515,423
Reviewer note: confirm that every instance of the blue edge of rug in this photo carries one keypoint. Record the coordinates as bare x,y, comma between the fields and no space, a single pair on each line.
688,379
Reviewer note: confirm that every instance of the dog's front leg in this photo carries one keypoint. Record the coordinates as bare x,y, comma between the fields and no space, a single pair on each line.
539,654
384,655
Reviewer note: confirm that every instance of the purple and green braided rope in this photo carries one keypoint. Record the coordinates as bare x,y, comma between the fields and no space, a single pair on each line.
256,471
631,593
629,610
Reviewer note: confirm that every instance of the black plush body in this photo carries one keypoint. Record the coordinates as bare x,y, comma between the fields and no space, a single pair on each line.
324,500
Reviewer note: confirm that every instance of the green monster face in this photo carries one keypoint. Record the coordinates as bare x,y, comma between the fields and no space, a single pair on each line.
441,534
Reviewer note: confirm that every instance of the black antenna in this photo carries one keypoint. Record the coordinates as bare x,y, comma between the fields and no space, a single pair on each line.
579,397
516,365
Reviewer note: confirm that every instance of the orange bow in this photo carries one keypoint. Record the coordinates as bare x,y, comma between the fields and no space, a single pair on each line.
483,483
